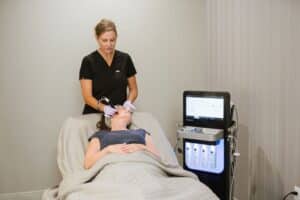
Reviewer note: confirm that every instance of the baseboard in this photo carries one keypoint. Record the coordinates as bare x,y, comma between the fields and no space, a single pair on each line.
30,195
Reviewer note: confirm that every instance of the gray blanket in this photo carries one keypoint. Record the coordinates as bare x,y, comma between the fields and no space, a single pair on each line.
138,175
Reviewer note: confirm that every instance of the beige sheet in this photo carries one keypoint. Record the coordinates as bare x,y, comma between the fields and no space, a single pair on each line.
133,176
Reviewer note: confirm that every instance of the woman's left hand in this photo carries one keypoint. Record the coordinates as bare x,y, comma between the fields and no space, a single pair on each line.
129,106
130,148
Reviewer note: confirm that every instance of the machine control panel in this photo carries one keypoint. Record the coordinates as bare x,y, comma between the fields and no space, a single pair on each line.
198,133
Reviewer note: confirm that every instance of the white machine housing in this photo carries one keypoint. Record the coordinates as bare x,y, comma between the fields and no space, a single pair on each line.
203,149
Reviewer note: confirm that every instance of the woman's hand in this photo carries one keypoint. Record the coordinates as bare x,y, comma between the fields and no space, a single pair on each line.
125,148
117,148
130,148
129,106
109,111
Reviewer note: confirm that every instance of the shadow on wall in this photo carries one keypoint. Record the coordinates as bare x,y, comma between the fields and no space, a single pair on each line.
264,172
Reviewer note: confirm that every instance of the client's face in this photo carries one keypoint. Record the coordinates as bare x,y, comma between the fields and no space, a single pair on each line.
122,114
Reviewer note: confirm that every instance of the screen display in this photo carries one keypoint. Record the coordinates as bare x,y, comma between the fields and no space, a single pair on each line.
204,107
209,109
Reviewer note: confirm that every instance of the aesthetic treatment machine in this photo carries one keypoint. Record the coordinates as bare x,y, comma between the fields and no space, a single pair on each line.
206,143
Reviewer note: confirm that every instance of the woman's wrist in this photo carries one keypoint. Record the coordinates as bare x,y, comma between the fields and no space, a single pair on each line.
106,150
99,106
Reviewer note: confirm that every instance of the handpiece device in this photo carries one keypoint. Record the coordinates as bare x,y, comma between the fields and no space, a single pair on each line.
106,101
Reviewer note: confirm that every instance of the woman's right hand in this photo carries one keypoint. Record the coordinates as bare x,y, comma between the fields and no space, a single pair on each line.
109,111
125,148
117,148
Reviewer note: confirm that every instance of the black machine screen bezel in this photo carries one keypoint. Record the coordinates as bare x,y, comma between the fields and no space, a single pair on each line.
208,122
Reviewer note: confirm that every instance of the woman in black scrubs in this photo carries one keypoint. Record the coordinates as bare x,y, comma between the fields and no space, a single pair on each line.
107,72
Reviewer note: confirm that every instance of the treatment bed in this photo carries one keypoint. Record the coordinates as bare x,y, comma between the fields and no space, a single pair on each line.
134,176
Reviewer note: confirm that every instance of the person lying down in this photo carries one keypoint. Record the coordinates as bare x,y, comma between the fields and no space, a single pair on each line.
121,164
118,139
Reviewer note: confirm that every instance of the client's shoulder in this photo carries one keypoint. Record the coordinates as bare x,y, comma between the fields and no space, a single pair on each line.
141,131
99,134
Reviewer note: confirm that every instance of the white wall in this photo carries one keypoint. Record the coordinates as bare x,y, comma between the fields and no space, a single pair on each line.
254,49
42,44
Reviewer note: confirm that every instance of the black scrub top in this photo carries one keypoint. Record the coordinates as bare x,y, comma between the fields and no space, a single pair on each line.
107,81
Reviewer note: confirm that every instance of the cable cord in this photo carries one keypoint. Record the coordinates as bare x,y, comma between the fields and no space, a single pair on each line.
234,152
178,125
290,193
